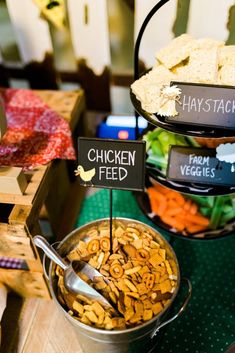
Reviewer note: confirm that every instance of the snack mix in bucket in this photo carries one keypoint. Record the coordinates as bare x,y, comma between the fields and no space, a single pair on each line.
140,278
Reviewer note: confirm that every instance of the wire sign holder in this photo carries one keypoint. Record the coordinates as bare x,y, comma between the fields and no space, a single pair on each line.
111,164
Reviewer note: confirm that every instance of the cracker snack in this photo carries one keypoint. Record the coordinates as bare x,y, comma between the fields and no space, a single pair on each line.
203,66
139,278
185,59
175,52
147,88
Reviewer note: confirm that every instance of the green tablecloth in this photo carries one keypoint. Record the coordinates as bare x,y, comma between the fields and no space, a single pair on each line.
208,324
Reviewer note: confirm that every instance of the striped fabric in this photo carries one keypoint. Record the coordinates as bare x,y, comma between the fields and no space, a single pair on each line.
9,262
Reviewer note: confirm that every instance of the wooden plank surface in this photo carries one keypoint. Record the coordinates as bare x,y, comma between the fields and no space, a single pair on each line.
24,283
16,247
33,184
19,214
39,327
218,28
89,24
25,18
16,323
12,180
16,230
158,32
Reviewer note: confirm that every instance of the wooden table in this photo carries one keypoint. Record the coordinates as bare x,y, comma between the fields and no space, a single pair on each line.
36,326
53,186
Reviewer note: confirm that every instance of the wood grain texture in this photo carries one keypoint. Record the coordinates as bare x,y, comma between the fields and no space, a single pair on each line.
12,180
16,323
51,332
25,283
38,326
16,230
66,103
30,192
16,247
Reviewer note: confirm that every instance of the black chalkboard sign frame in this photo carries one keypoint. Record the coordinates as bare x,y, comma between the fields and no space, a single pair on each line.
200,119
189,188
211,171
184,129
135,180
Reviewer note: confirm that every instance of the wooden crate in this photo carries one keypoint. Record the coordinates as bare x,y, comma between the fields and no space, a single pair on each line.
20,214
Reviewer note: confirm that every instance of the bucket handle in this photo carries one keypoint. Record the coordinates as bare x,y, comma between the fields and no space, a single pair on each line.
182,308
54,245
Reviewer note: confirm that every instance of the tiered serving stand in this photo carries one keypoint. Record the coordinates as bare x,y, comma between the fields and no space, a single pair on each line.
153,173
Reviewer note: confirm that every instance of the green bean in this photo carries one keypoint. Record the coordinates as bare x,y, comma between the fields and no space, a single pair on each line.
217,212
205,201
206,211
227,208
156,148
192,142
226,217
157,161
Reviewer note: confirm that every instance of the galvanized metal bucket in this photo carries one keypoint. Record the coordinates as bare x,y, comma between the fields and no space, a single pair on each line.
93,340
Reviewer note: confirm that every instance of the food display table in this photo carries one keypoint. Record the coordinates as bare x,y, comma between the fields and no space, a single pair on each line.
208,323
207,326
51,186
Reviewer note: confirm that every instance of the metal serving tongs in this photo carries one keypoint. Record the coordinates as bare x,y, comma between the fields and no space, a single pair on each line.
72,281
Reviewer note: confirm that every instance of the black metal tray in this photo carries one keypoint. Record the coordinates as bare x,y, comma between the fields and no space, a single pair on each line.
182,129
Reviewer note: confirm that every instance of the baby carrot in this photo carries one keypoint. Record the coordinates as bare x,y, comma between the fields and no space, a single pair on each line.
174,211
172,204
152,191
173,222
198,219
154,205
162,189
194,228
177,197
193,208
162,207
182,217
187,205
157,201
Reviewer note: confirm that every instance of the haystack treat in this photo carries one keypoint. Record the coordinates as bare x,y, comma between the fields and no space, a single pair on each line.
139,278
185,59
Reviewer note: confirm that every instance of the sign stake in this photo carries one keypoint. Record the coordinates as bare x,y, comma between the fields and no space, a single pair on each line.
111,164
111,219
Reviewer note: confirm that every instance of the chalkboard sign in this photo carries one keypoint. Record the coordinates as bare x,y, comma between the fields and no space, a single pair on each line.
111,163
198,165
204,105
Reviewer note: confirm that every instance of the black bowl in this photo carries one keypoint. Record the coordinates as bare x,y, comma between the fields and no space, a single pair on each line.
144,204
184,187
